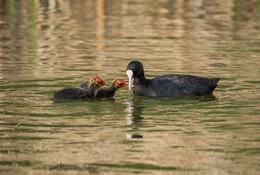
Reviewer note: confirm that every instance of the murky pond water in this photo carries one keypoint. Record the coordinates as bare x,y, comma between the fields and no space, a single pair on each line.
46,45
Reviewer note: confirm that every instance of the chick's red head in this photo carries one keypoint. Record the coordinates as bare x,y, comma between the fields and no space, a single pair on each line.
119,83
98,81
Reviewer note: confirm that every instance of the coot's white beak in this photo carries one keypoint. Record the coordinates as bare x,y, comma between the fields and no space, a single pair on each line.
129,73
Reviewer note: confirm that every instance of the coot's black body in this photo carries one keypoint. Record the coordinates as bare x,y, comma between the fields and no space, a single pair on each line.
171,85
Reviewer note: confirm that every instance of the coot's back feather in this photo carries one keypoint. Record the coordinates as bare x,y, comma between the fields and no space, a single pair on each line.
182,85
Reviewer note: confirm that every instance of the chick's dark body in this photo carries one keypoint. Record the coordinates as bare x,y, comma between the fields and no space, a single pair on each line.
85,91
74,93
105,92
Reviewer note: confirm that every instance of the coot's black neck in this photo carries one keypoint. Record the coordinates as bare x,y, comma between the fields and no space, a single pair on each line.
141,80
140,74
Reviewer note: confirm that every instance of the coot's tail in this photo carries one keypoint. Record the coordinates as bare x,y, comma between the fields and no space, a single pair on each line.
214,84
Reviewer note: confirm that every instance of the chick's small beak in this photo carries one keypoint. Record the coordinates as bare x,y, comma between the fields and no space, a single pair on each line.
102,82
123,83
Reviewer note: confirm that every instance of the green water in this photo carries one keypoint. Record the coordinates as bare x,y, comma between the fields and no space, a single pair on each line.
48,45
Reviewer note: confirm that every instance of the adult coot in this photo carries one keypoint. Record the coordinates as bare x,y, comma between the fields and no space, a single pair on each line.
86,91
171,85
110,90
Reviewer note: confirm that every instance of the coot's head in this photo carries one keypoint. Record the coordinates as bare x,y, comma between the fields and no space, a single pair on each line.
134,70
96,82
119,83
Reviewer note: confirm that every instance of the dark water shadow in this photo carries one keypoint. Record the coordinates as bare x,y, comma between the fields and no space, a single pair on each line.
100,167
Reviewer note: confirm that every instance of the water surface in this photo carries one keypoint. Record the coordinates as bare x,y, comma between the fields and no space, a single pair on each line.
48,45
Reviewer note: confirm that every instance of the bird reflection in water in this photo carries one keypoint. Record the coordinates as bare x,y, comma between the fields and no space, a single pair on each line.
133,118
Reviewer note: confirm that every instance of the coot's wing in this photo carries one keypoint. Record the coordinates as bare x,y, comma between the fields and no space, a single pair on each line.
182,85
